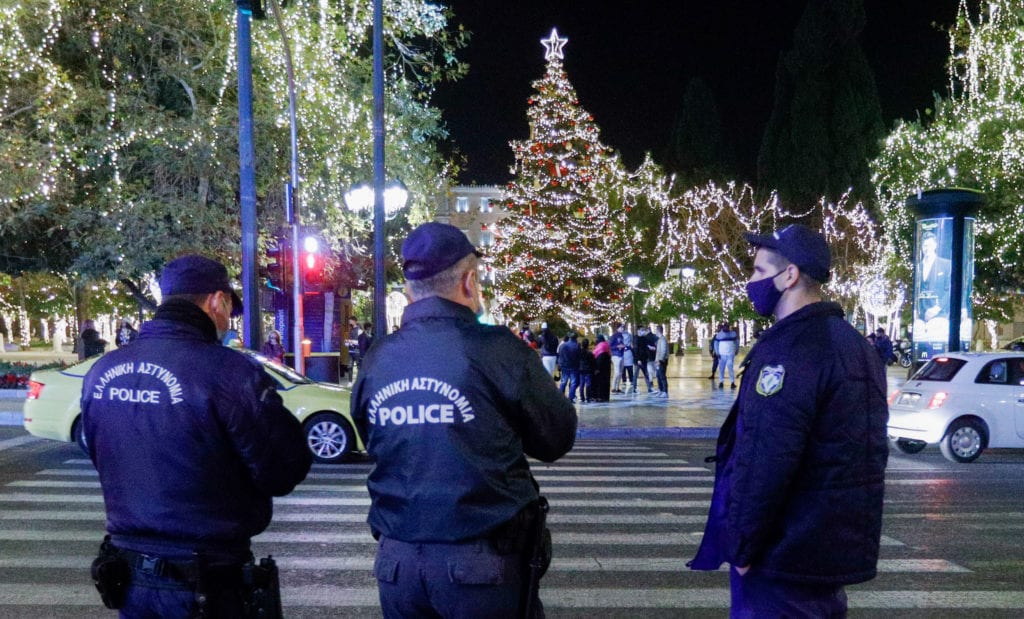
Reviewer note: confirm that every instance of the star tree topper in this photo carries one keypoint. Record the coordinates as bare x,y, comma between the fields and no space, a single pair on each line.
553,44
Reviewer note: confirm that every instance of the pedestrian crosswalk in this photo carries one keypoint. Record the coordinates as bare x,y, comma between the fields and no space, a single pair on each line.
626,517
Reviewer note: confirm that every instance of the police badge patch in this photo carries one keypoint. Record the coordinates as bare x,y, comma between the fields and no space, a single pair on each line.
769,381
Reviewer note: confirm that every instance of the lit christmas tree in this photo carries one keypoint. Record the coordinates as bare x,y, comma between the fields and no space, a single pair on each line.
556,254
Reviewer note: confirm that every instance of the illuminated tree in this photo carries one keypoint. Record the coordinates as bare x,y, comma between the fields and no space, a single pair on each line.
118,124
974,139
557,254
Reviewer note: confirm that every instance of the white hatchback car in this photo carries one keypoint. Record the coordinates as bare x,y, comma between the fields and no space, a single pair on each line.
965,402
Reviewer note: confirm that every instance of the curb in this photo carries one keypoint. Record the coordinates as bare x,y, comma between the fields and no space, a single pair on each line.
643,433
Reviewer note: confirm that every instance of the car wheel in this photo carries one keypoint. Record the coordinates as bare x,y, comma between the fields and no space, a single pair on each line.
329,438
78,434
964,441
909,446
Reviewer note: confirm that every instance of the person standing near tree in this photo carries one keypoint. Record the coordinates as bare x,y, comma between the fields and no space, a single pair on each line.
450,409
548,348
91,342
617,345
796,508
641,355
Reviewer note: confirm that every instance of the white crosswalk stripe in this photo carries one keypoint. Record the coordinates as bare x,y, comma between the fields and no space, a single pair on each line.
621,511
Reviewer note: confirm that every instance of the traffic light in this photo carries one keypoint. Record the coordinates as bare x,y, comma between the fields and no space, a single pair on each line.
312,265
277,266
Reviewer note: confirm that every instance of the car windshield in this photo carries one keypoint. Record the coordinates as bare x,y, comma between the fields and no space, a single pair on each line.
941,369
278,368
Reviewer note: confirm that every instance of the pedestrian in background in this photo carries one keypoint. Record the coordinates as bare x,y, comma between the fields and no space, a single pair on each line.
650,342
601,383
727,344
628,378
91,342
183,504
126,334
450,410
800,463
273,348
569,364
641,355
714,352
586,370
548,348
884,346
617,345
661,359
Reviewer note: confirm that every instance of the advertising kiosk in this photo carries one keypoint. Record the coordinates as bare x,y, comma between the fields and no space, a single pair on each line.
943,270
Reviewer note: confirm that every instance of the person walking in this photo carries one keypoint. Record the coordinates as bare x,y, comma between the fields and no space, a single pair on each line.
628,361
884,346
796,508
548,349
661,359
183,504
726,345
650,342
453,503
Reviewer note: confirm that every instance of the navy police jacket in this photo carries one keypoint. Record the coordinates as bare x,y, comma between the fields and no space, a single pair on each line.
449,409
801,458
190,438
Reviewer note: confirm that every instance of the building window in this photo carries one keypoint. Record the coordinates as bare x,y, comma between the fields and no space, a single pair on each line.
486,238
485,205
462,204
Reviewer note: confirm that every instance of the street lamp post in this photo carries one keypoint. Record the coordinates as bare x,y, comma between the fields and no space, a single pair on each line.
633,281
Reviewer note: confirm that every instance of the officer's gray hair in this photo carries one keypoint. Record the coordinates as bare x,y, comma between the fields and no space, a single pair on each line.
443,283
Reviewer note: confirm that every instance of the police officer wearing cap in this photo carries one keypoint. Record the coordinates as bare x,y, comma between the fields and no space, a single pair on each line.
191,441
450,409
800,463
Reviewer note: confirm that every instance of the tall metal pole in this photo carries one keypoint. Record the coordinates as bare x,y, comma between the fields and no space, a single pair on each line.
291,197
247,184
379,291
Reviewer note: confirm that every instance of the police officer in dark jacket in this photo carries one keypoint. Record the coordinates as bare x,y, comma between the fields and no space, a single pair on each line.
191,441
800,465
450,409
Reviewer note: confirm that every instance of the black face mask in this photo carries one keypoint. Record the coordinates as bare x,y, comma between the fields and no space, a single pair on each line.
764,295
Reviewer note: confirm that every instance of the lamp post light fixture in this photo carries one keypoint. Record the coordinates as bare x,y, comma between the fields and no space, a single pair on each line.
362,198
633,281
687,272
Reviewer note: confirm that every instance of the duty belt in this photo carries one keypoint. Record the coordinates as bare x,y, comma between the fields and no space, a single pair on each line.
184,570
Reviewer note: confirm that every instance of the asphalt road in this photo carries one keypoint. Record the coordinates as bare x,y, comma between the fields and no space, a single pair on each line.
626,516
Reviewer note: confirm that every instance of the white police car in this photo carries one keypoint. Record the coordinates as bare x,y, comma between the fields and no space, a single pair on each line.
51,409
965,402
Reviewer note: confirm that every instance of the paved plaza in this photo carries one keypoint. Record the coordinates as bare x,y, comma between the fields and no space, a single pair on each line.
695,408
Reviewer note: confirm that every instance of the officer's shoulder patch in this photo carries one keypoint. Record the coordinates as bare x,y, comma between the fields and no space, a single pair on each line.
769,381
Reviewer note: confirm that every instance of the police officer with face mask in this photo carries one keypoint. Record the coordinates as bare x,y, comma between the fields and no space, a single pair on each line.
450,409
800,463
191,441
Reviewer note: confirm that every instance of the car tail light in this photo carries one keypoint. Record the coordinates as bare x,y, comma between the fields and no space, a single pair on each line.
892,398
35,388
938,399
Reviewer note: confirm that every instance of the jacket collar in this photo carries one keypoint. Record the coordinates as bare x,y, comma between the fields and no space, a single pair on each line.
180,318
437,307
821,309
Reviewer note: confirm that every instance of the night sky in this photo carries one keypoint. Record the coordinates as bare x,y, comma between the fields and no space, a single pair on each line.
630,63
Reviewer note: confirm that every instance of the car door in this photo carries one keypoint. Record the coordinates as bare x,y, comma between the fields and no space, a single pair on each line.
996,394
1017,383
